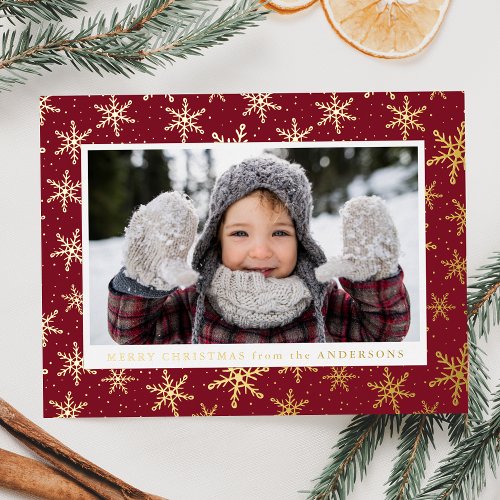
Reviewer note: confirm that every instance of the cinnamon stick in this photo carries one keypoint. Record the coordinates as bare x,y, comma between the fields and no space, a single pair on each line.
84,472
29,476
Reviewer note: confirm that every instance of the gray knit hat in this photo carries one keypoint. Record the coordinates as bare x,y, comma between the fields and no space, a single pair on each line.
290,184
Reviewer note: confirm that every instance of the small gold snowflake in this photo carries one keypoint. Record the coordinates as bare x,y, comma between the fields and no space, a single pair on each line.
169,392
391,95
118,380
239,379
335,111
45,107
71,141
114,114
147,96
240,135
213,96
260,104
406,118
440,306
437,92
428,410
185,120
205,412
339,377
289,406
297,370
456,267
390,390
74,299
454,372
65,191
71,249
459,216
452,152
430,195
47,327
294,134
73,364
68,408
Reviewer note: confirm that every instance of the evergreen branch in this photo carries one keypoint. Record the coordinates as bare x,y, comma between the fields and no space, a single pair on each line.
409,469
354,452
127,43
462,474
36,10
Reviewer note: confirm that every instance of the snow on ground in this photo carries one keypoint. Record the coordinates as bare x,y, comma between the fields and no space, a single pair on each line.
106,259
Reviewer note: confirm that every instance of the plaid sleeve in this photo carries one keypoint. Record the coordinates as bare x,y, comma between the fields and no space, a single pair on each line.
369,311
133,319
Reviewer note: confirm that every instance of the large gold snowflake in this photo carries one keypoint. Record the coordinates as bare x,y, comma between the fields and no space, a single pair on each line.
440,306
74,299
260,104
185,120
406,118
339,377
294,134
335,111
47,327
205,412
431,196
240,379
71,249
297,370
240,135
390,390
459,216
68,408
452,152
457,266
71,141
118,380
169,392
73,364
454,372
114,114
66,191
289,406
45,107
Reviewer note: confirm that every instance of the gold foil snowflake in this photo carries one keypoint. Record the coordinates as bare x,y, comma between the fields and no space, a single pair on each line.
260,104
240,135
429,245
118,380
454,373
297,370
294,134
71,141
240,379
45,107
339,377
428,410
70,249
430,195
169,393
74,299
213,96
406,118
440,306
390,390
391,95
66,191
452,152
335,111
437,92
73,364
459,216
289,406
205,412
114,114
68,408
457,266
47,327
185,120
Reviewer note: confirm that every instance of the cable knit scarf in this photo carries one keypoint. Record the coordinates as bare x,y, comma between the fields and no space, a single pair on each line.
250,300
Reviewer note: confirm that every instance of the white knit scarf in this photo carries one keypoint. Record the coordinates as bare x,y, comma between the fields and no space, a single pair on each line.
250,300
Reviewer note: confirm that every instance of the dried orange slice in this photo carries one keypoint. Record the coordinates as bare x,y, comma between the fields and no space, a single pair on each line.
288,6
386,28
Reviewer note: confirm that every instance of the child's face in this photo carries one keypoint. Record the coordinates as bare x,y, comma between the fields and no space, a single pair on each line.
254,237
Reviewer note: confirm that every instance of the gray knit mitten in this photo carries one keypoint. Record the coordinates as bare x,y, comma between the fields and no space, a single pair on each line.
371,244
157,242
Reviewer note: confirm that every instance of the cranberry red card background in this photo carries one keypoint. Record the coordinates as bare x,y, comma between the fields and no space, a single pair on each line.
68,122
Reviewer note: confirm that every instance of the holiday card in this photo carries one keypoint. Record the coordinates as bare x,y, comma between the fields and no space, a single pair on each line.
103,157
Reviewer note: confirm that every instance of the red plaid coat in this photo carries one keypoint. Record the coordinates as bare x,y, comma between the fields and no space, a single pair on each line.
370,311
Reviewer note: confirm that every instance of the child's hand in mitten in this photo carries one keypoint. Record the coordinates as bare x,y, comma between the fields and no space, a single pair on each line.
371,244
158,239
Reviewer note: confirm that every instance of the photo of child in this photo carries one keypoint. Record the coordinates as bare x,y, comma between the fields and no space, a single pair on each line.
256,273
